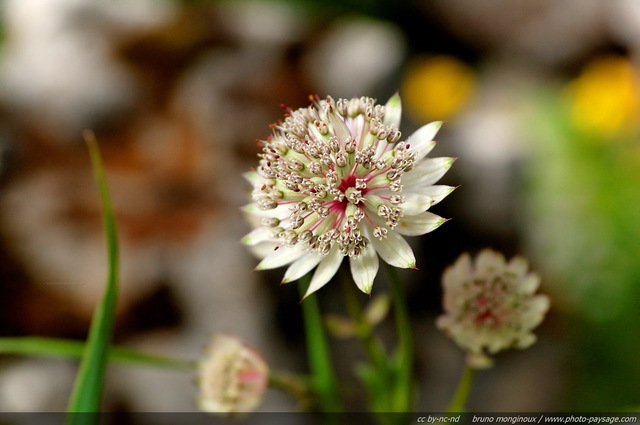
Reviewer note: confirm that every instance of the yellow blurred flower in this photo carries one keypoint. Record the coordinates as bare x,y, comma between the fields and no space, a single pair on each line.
605,99
435,88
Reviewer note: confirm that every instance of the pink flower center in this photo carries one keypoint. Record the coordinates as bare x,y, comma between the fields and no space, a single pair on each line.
486,314
346,183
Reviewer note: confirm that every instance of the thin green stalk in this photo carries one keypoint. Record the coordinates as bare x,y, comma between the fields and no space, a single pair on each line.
461,395
374,350
296,385
63,348
378,376
403,396
323,378
87,390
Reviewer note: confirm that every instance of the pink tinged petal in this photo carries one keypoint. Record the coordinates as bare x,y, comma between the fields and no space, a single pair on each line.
328,267
427,172
415,203
364,269
415,225
393,111
301,267
339,127
421,140
283,256
395,250
260,234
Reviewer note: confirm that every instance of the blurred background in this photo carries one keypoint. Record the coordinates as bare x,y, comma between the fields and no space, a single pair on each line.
542,107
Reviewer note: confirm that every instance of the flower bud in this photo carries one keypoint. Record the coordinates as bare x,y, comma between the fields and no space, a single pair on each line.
232,377
490,305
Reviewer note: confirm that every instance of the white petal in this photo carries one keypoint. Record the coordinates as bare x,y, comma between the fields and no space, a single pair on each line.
262,250
395,250
281,212
258,235
461,271
414,225
283,256
421,140
314,132
518,266
436,192
301,267
372,201
427,172
529,284
328,267
254,178
415,203
488,261
393,111
339,127
364,269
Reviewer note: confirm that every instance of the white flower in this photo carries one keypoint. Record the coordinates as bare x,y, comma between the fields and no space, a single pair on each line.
335,180
232,378
490,305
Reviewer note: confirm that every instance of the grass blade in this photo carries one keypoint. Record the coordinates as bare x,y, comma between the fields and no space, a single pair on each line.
87,390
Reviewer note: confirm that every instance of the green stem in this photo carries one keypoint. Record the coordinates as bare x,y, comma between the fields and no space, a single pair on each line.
374,350
53,347
323,378
379,380
461,395
293,384
403,396
296,385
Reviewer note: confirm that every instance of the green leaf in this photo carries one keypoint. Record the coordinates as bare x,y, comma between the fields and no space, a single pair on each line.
87,390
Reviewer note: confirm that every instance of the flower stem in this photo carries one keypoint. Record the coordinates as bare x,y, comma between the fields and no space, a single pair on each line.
296,385
461,395
372,347
64,348
403,395
323,379
71,349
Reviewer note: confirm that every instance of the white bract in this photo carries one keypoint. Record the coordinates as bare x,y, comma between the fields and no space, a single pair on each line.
232,378
336,180
490,305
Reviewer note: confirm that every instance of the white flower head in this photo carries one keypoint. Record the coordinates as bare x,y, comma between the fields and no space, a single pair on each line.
336,180
232,377
490,305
